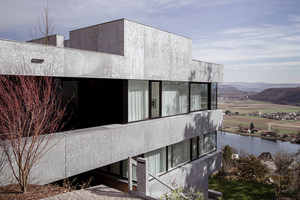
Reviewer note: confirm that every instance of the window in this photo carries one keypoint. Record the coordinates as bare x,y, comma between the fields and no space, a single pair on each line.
198,96
194,147
138,100
178,153
207,143
157,160
214,95
174,98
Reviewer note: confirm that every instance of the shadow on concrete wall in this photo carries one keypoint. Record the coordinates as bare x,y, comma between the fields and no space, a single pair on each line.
208,72
197,175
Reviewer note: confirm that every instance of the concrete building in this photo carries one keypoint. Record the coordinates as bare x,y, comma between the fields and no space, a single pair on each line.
137,93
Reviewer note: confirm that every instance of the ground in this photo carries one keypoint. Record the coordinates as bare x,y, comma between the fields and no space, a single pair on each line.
14,191
248,106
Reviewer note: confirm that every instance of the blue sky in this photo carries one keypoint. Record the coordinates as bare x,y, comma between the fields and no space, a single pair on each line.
255,40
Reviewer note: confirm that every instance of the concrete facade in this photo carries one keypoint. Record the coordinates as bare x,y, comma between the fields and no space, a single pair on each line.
120,49
149,54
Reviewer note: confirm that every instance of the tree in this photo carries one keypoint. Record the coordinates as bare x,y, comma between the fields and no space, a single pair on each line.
251,126
227,161
30,115
178,194
240,126
44,30
251,168
283,160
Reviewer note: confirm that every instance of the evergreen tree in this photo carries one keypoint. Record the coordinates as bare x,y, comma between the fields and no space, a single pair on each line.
251,168
251,126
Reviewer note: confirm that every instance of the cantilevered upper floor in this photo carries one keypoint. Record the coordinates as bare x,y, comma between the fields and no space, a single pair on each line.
120,49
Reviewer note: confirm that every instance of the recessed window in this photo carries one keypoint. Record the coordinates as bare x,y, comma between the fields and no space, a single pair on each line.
174,98
138,100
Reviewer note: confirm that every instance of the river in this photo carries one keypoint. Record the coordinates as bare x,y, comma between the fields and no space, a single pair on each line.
254,145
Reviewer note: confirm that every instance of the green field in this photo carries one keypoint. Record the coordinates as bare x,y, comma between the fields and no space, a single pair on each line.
233,190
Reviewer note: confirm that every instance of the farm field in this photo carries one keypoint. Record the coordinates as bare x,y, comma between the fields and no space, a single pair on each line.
248,106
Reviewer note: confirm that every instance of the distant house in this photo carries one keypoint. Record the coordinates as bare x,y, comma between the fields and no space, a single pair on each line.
271,134
227,112
256,130
235,156
245,130
293,165
263,134
266,156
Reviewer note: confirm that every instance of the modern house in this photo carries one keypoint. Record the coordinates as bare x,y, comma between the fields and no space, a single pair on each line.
136,93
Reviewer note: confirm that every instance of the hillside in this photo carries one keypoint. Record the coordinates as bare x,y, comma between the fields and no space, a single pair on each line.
286,96
230,92
259,86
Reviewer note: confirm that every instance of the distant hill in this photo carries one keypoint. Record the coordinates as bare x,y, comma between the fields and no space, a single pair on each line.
288,96
258,86
230,92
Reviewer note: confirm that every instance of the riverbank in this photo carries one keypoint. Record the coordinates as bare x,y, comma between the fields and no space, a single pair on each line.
262,137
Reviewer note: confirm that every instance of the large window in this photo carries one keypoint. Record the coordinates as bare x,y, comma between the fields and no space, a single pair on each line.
208,143
198,97
138,100
174,98
179,153
153,99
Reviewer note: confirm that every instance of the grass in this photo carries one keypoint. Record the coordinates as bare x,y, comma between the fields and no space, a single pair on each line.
246,124
251,102
247,106
241,190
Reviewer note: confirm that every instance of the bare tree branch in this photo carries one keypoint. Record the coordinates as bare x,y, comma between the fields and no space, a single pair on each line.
30,115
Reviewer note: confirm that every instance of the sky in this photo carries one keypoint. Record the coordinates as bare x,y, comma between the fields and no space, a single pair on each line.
255,40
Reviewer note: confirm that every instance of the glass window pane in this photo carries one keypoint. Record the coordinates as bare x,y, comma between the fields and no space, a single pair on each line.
214,95
138,100
174,98
115,168
195,97
186,155
194,147
157,160
198,96
201,146
179,153
204,96
213,140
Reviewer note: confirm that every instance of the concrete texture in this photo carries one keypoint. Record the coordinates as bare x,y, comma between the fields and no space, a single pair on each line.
193,175
120,49
107,38
86,149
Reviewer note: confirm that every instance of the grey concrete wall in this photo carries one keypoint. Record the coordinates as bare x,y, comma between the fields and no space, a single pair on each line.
86,149
15,58
149,54
107,38
54,40
191,176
